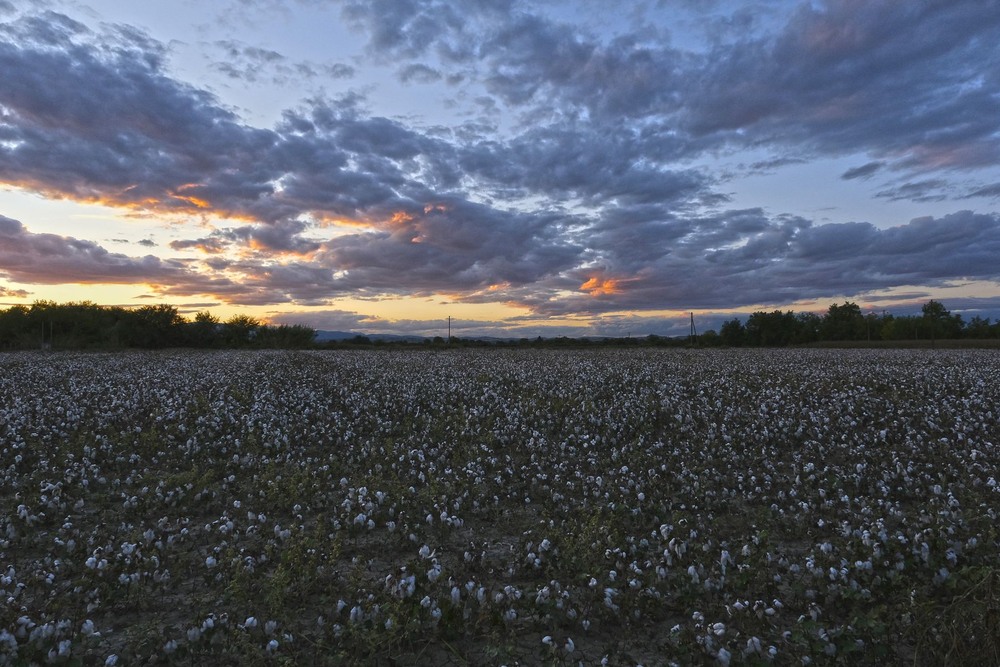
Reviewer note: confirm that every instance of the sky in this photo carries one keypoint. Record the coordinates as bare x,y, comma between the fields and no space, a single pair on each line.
524,168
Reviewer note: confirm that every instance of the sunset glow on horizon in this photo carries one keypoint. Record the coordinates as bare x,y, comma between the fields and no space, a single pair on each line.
526,169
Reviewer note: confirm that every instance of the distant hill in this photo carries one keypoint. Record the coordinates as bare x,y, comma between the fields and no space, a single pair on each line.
326,336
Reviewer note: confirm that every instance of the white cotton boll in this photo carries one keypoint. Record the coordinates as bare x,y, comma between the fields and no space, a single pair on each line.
272,646
111,660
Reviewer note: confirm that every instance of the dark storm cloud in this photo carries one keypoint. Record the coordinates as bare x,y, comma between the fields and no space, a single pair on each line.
258,283
912,81
452,245
30,258
777,261
615,167
524,57
100,121
595,192
914,78
281,237
50,259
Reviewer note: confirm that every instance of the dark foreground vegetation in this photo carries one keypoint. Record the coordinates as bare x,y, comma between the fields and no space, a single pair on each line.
457,507
89,326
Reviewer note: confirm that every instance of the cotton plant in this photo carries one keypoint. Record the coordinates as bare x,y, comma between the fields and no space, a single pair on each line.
405,497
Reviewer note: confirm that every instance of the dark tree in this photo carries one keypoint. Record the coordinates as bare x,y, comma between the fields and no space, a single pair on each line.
285,336
844,322
979,327
204,331
939,322
808,328
732,333
240,330
152,327
774,329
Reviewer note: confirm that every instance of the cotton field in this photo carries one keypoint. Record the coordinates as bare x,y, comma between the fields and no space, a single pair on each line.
500,507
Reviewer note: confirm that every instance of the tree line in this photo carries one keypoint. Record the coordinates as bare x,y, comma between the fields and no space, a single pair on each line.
846,322
86,326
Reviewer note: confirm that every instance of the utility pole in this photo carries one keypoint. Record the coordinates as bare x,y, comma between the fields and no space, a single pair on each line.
449,330
694,332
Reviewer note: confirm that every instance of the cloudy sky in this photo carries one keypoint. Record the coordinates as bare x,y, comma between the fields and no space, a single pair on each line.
554,167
